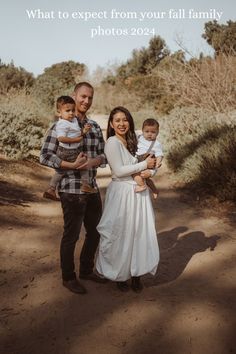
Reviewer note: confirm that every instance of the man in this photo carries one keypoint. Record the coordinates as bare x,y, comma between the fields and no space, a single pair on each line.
78,207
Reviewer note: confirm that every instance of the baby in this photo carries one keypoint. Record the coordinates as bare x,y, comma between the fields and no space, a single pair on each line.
148,145
70,137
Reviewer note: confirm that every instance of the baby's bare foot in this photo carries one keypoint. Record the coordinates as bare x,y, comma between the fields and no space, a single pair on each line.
139,189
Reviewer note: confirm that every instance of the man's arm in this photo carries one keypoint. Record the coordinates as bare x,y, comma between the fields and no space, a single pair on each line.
48,151
100,149
48,155
67,140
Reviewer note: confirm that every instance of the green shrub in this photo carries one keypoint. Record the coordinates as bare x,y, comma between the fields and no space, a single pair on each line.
14,77
22,124
201,149
221,36
56,80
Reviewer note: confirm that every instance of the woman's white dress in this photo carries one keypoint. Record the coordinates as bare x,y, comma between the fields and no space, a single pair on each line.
128,244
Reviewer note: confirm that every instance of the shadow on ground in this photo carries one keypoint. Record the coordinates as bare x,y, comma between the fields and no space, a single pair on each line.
14,195
176,252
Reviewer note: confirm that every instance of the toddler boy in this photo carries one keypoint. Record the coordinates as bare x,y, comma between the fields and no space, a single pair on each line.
148,145
70,137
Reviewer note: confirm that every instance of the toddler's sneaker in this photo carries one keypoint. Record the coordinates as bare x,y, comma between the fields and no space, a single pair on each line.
51,194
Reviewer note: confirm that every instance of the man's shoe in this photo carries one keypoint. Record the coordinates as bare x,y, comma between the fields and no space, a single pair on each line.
122,286
74,286
136,284
94,277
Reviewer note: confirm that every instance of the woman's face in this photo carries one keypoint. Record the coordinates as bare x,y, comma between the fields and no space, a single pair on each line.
120,124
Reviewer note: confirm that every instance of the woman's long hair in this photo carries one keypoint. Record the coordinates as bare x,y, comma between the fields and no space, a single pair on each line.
131,137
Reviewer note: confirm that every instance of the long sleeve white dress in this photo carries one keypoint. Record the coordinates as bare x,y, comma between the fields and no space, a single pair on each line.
128,244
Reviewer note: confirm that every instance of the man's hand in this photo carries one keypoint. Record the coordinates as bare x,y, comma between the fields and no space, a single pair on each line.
94,162
80,162
86,128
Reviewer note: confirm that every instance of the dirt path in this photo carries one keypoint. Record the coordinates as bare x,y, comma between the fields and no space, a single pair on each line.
189,307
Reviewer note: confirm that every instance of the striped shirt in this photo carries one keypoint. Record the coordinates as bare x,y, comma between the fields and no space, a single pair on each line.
93,146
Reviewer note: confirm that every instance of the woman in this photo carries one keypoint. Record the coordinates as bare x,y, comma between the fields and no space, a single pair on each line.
128,244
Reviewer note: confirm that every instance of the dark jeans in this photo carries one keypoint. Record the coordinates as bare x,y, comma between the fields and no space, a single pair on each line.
78,209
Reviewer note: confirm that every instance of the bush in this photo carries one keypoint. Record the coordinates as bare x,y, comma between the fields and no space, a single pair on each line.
221,37
58,79
13,77
206,83
201,149
22,124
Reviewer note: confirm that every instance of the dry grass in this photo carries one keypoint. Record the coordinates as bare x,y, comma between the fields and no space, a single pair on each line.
206,83
107,97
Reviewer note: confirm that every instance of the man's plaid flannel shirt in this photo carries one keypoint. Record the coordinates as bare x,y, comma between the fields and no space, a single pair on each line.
93,146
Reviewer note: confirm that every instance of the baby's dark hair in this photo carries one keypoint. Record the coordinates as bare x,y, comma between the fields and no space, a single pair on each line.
62,100
150,121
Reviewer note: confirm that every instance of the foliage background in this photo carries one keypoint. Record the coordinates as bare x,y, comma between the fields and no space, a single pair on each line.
194,100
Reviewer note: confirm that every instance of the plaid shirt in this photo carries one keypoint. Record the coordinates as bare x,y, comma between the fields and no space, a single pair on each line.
93,146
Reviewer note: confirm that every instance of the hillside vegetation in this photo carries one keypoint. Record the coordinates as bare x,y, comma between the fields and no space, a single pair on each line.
194,100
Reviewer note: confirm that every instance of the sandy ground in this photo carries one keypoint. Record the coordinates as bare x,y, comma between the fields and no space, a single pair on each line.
188,307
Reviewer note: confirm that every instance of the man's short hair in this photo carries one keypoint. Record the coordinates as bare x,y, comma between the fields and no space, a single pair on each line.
150,122
62,100
83,83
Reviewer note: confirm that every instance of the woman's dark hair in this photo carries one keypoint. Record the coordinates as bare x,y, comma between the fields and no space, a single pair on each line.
131,137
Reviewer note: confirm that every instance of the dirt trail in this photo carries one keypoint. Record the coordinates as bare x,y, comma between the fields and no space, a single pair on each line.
189,307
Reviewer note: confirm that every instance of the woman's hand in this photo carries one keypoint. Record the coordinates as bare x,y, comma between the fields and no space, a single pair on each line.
151,162
146,174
